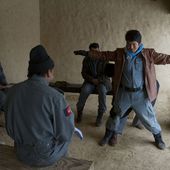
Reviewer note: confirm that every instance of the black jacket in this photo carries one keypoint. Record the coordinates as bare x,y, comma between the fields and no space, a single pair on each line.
95,69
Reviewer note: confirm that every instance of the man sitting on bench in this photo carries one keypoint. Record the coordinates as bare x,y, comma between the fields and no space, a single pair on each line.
94,78
38,118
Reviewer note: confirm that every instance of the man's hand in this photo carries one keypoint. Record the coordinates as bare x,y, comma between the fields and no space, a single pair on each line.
95,81
81,52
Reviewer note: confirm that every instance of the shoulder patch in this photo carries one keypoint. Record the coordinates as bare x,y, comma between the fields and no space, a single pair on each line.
68,111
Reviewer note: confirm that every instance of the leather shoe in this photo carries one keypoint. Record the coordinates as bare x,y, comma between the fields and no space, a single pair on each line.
106,138
113,140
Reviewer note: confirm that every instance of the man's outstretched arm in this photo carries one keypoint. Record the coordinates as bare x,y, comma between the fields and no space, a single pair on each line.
81,52
101,55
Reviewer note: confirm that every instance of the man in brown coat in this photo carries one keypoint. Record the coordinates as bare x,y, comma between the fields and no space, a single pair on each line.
134,85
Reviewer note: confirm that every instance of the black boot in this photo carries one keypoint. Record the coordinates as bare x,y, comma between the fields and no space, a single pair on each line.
106,138
99,119
158,141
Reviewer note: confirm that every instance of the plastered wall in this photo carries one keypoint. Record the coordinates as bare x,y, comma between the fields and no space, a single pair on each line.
67,25
19,31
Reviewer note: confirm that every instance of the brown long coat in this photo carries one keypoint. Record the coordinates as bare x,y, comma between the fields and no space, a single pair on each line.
149,56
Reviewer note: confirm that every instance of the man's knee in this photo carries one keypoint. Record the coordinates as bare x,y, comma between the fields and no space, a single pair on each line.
87,89
102,89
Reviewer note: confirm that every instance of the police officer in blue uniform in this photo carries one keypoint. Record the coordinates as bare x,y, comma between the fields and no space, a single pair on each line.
134,85
38,118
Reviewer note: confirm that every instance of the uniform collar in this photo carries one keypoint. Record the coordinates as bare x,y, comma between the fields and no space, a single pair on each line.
40,79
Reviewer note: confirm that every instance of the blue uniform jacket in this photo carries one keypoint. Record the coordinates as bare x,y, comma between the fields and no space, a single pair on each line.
39,120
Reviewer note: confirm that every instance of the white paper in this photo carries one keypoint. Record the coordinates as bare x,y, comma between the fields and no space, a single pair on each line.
78,133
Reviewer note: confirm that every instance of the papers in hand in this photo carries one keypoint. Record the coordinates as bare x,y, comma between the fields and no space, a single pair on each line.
78,133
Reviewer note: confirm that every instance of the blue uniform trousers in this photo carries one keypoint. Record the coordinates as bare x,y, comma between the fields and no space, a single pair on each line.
140,103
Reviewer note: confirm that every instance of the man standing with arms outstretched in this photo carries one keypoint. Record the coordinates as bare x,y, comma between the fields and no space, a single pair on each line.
134,85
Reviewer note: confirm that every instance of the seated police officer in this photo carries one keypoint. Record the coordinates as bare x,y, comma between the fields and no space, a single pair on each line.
38,118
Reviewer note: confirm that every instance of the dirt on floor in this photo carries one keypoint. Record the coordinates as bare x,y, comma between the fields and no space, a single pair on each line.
135,149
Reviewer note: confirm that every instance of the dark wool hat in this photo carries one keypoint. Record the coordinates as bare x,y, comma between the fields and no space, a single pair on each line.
133,35
40,62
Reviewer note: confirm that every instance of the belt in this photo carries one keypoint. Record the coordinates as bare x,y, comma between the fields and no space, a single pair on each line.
131,89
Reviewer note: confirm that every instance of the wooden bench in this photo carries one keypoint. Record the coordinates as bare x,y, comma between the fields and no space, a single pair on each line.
70,87
8,161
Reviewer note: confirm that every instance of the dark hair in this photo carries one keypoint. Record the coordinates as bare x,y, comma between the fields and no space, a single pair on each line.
93,45
133,35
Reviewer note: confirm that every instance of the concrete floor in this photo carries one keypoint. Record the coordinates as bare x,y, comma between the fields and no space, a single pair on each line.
135,149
